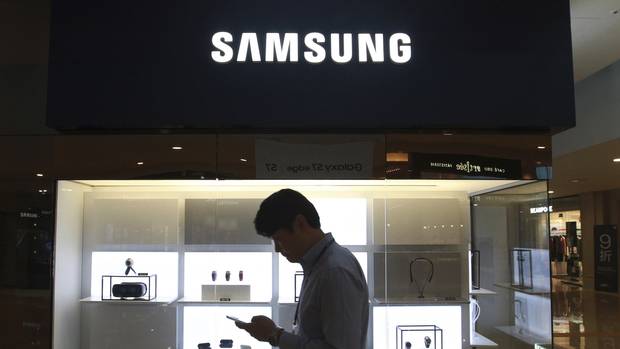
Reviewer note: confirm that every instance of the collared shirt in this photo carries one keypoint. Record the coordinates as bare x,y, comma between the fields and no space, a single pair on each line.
333,303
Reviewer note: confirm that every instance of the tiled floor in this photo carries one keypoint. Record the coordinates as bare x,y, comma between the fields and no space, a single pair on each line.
585,318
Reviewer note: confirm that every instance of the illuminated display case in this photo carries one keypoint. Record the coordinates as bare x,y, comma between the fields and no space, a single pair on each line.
411,237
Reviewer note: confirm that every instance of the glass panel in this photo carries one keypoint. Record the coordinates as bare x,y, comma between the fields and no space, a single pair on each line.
26,228
511,231
421,271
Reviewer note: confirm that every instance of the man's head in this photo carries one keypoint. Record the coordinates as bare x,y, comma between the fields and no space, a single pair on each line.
291,220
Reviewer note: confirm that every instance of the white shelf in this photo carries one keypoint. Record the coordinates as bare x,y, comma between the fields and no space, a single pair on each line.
156,301
478,340
482,291
419,301
190,301
532,291
523,335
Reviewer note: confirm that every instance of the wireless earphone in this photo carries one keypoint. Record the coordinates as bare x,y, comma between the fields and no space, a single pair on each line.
427,279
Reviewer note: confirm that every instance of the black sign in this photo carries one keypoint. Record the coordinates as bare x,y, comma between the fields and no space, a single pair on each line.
463,166
606,258
280,64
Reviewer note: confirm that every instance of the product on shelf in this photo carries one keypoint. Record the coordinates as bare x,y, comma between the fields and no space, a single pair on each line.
419,336
129,265
129,290
240,275
141,287
213,275
299,277
421,272
475,269
522,268
227,275
226,343
204,346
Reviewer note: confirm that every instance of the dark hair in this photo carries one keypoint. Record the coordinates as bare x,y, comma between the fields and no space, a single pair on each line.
280,209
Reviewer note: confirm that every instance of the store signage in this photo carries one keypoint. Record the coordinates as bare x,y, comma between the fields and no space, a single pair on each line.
316,161
538,210
285,47
28,215
461,165
281,65
606,258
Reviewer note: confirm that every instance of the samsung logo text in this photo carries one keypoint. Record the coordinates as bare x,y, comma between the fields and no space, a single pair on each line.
318,47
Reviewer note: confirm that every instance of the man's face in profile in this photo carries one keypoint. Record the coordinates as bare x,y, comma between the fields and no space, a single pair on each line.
284,243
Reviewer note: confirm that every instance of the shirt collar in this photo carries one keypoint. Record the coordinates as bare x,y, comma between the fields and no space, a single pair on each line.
310,258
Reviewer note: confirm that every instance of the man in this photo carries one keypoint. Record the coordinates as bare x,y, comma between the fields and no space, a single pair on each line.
333,307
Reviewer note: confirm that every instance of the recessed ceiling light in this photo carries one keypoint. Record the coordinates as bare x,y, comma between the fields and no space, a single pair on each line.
617,160
39,174
576,180
243,160
541,147
551,192
177,147
140,163
448,133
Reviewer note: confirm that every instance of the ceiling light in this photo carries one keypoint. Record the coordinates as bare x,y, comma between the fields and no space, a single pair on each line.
576,180
139,163
551,192
39,174
541,147
243,160
616,160
448,133
176,147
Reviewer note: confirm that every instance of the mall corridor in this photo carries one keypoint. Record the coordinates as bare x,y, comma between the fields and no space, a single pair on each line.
585,318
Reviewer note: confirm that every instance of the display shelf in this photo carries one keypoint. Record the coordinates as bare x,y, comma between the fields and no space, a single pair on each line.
481,291
419,301
478,340
156,301
523,335
532,291
191,301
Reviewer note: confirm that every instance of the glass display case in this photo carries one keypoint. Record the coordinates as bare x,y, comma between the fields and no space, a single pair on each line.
512,235
412,239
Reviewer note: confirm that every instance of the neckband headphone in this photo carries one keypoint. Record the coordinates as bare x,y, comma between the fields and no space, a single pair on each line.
428,278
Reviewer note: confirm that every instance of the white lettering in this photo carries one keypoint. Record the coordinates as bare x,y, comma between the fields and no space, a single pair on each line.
248,40
316,53
400,53
366,45
347,48
537,210
282,49
285,48
225,53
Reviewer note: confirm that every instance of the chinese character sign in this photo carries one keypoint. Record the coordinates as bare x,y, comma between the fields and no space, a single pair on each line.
606,258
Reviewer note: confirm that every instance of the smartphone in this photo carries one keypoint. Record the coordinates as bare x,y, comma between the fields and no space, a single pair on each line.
234,319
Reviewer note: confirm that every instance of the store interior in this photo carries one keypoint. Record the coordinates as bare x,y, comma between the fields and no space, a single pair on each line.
449,263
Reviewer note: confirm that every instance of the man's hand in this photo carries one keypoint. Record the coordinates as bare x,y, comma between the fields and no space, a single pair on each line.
262,328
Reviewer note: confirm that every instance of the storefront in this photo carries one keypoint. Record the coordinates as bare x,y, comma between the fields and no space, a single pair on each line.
419,131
